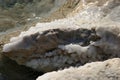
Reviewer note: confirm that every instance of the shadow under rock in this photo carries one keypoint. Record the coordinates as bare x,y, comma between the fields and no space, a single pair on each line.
10,70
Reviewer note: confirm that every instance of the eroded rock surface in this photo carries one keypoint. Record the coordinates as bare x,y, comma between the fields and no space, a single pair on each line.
92,34
51,45
107,70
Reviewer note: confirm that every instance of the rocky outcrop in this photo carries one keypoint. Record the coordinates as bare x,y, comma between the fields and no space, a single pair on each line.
90,35
53,44
107,70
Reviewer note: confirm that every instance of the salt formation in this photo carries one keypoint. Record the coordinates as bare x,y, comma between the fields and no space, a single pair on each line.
107,70
92,34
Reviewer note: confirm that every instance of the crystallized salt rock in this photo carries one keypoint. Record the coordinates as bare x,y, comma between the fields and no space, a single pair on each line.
92,34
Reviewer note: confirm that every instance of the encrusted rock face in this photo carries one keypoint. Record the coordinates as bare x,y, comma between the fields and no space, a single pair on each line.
53,45
59,48
91,35
107,70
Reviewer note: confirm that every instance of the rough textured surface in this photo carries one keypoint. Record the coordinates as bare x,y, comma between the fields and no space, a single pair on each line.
92,34
49,46
107,70
16,16
22,16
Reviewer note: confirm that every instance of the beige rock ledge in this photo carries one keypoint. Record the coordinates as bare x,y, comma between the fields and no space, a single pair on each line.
107,70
